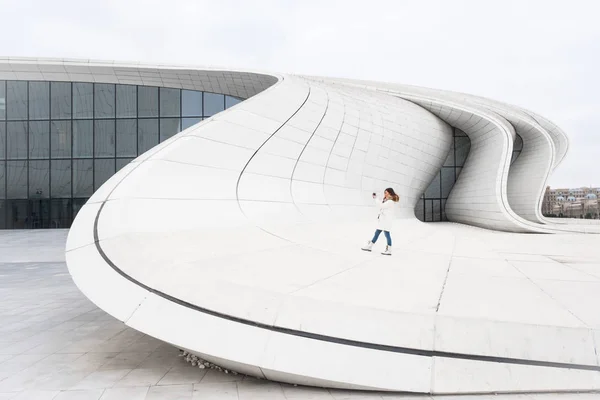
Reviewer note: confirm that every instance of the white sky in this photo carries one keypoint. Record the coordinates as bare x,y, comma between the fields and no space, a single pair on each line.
540,54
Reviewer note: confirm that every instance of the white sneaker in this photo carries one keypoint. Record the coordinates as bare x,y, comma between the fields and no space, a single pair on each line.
368,247
388,251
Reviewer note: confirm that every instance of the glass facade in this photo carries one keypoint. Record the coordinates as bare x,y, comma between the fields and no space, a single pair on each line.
431,206
517,148
60,141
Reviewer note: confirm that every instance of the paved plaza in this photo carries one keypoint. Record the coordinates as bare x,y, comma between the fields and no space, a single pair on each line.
56,344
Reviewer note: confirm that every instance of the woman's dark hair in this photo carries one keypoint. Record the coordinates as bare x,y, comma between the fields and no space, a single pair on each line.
393,194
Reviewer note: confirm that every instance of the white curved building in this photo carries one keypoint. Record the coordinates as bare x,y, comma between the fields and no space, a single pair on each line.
238,239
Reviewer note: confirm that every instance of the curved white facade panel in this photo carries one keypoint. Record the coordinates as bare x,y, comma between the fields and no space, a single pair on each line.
518,194
238,239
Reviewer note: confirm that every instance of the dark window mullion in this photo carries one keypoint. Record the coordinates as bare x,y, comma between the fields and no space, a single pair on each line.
93,135
116,133
158,116
5,160
441,193
5,144
180,110
137,116
50,170
72,163
27,147
454,149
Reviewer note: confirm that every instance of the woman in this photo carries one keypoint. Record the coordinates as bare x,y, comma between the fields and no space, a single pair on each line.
386,211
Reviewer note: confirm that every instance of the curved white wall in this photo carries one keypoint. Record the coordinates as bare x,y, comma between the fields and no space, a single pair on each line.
543,148
238,239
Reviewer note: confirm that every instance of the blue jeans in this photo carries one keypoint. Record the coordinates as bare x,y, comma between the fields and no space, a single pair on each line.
387,236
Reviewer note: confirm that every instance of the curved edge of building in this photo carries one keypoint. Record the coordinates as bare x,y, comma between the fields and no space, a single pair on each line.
514,205
331,144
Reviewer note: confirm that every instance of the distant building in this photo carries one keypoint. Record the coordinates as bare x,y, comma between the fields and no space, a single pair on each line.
571,202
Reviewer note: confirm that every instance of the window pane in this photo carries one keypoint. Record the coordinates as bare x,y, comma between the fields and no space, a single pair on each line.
191,103
447,181
126,138
2,100
16,139
60,139
103,169
147,101
428,210
60,213
168,128
515,155
16,107
126,101
83,143
450,159
39,100
104,100
83,100
39,214
433,190
39,183
518,145
83,182
231,101
463,144
121,162
77,205
169,102
2,140
16,179
60,100
2,214
187,122
104,138
147,134
2,179
39,139
458,172
60,173
17,214
436,211
444,217
213,103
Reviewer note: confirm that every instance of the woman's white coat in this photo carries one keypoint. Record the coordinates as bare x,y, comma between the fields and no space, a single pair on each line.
386,213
